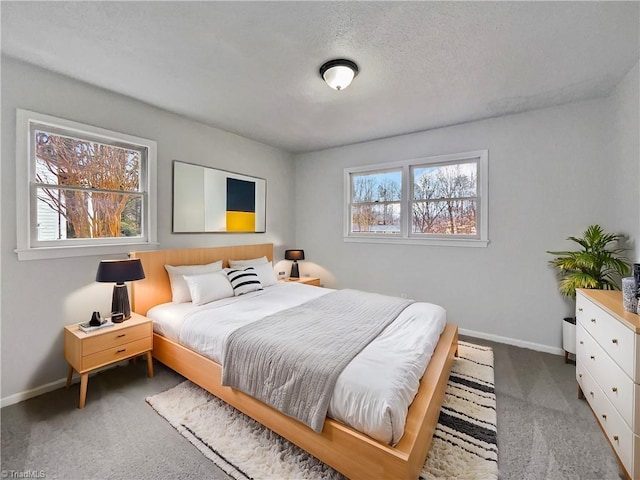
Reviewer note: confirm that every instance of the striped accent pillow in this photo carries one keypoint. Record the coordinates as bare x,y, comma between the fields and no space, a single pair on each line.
243,280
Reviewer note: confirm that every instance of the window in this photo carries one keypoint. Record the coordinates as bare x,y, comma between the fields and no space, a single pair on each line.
444,199
82,190
436,200
375,204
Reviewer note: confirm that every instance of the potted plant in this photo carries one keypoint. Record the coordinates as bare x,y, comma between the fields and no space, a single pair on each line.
598,264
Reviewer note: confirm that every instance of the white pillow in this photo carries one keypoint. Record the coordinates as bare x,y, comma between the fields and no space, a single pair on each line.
246,263
208,287
179,287
266,274
243,280
264,269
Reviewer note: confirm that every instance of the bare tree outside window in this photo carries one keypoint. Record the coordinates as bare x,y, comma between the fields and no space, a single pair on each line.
425,210
445,199
375,202
363,213
82,189
86,189
437,200
388,191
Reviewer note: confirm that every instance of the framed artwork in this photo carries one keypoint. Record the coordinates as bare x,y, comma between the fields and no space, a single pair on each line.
208,200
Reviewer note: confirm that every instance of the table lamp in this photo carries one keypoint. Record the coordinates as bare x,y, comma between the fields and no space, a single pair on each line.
118,272
294,255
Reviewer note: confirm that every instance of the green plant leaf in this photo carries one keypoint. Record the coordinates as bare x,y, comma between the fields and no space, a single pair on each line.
597,265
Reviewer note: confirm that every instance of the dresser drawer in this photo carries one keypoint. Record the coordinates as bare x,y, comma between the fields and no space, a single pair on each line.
109,340
617,431
618,341
616,385
114,354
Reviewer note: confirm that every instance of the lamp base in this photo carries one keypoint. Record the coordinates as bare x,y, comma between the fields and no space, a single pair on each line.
120,302
295,273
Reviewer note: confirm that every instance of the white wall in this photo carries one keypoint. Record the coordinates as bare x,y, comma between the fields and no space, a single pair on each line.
625,155
551,174
40,297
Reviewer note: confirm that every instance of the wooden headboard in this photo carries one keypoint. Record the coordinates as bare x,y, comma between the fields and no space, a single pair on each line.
155,288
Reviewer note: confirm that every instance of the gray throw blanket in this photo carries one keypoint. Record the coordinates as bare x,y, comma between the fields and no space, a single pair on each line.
291,360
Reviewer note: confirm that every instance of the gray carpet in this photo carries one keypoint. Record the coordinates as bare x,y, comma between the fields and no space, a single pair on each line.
544,431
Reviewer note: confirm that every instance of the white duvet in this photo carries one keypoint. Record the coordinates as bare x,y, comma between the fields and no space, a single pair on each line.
373,392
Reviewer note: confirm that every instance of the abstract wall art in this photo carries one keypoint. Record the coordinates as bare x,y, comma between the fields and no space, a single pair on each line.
208,200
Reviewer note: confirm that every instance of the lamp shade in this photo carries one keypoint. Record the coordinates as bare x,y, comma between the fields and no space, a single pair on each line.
294,255
120,271
339,73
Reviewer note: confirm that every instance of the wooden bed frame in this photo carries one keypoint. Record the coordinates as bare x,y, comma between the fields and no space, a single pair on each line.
352,453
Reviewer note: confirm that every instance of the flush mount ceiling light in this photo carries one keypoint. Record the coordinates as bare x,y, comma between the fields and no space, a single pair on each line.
338,73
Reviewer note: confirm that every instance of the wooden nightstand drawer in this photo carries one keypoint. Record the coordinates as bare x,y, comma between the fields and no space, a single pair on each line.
87,351
108,340
116,353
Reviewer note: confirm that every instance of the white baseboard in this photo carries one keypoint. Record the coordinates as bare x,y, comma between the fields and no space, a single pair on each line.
48,387
34,392
512,341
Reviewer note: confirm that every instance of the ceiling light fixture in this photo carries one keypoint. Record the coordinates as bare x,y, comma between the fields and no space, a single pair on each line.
338,73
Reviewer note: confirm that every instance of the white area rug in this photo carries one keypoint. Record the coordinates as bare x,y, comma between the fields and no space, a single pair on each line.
464,444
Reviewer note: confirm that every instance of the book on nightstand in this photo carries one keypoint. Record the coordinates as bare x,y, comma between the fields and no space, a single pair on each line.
85,327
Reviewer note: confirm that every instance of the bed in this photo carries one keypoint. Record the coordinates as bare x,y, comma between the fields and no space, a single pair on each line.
349,451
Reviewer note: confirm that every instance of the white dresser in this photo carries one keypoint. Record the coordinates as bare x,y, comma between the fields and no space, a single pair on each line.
608,370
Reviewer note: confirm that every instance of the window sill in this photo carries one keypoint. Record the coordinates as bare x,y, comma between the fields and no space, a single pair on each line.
44,253
436,242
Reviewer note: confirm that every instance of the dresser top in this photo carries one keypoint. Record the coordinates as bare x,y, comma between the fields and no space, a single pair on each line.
611,301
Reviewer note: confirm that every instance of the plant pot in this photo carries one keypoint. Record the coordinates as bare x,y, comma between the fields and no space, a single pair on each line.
569,336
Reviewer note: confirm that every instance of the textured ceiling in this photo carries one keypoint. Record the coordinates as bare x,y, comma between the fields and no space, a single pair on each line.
252,67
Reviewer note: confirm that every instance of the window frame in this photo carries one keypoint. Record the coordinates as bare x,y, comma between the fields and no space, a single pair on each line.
399,201
481,239
28,245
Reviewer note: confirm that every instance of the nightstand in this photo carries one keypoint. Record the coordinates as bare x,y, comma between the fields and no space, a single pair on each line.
88,351
315,281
